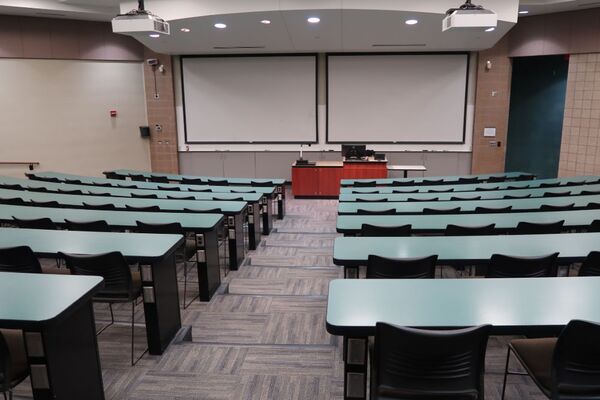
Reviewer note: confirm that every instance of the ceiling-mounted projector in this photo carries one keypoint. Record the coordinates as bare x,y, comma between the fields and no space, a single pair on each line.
140,21
469,16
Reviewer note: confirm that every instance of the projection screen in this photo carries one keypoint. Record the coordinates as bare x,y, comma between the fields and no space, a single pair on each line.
400,98
250,99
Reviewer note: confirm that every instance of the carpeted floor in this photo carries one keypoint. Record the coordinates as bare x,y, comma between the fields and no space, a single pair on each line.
263,336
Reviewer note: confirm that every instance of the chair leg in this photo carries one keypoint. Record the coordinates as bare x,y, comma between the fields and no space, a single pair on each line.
505,374
112,320
134,360
184,283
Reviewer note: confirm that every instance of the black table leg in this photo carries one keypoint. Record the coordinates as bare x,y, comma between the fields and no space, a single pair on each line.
254,225
63,358
280,190
267,214
161,303
235,234
355,367
209,272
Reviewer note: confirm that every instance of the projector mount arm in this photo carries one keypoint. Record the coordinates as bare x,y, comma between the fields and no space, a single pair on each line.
467,6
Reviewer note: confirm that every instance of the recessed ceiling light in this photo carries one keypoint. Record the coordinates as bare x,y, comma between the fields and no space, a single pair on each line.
492,29
411,22
154,35
186,30
523,12
314,20
220,25
265,22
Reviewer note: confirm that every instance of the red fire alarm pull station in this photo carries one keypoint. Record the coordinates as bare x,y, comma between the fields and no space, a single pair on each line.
113,113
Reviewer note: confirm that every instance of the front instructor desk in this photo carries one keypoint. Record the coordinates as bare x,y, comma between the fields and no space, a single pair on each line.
322,178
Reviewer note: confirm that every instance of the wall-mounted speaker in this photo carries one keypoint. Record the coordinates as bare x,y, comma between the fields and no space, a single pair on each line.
144,131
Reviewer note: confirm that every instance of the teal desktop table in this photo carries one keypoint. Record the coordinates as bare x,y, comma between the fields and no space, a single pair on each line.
265,207
204,227
466,206
156,253
511,176
511,306
57,319
484,194
476,187
278,183
505,222
235,212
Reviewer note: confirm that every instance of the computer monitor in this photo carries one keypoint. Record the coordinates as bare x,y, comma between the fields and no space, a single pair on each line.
354,151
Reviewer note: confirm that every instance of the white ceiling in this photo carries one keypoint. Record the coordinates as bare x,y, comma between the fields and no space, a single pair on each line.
346,25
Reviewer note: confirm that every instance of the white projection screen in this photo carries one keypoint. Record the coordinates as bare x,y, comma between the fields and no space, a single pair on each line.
399,98
250,99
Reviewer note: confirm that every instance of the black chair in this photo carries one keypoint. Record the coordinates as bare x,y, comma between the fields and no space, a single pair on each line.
230,199
521,178
365,184
369,230
102,194
391,211
404,191
142,208
592,206
516,197
181,198
492,210
517,187
88,226
462,230
14,367
19,259
144,196
127,186
496,179
137,177
205,190
73,181
573,183
262,184
403,183
186,252
105,185
427,182
423,199
218,182
468,180
440,190
15,201
51,180
549,185
382,200
486,189
206,211
75,191
50,204
37,223
566,367
589,192
459,198
359,192
37,189
11,187
536,228
591,265
120,284
594,226
550,207
503,266
440,211
410,363
189,181
406,268
556,194
107,206
171,188
158,179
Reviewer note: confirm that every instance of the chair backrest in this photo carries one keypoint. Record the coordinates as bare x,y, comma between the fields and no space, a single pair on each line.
127,186
594,226
230,199
503,266
591,265
454,210
144,196
19,259
15,201
423,199
390,211
440,190
496,179
38,189
468,180
490,210
262,184
403,183
137,178
524,178
204,190
88,226
5,366
190,181
170,228
589,192
436,364
486,189
365,184
75,191
404,191
382,200
111,266
108,206
406,268
465,198
105,184
461,230
73,181
142,208
550,207
207,211
369,230
363,192
11,186
549,185
104,194
556,194
171,188
516,197
181,197
38,223
426,182
158,179
218,182
576,362
536,228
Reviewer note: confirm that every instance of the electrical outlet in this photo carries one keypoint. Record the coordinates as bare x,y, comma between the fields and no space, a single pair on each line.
158,127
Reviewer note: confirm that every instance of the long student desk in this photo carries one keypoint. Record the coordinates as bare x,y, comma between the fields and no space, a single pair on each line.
234,210
204,227
468,205
254,200
55,312
278,183
266,208
563,183
450,179
511,306
576,219
156,253
485,195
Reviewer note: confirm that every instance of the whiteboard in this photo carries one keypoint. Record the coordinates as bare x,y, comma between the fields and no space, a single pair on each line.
399,98
250,99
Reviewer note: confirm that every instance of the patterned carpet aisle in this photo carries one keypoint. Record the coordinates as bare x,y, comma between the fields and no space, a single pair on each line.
263,337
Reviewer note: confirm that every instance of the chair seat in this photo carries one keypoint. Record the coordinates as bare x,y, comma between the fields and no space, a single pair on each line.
107,296
54,270
18,356
536,357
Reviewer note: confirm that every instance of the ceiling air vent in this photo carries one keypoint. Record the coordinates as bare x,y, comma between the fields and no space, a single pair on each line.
400,45
237,47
